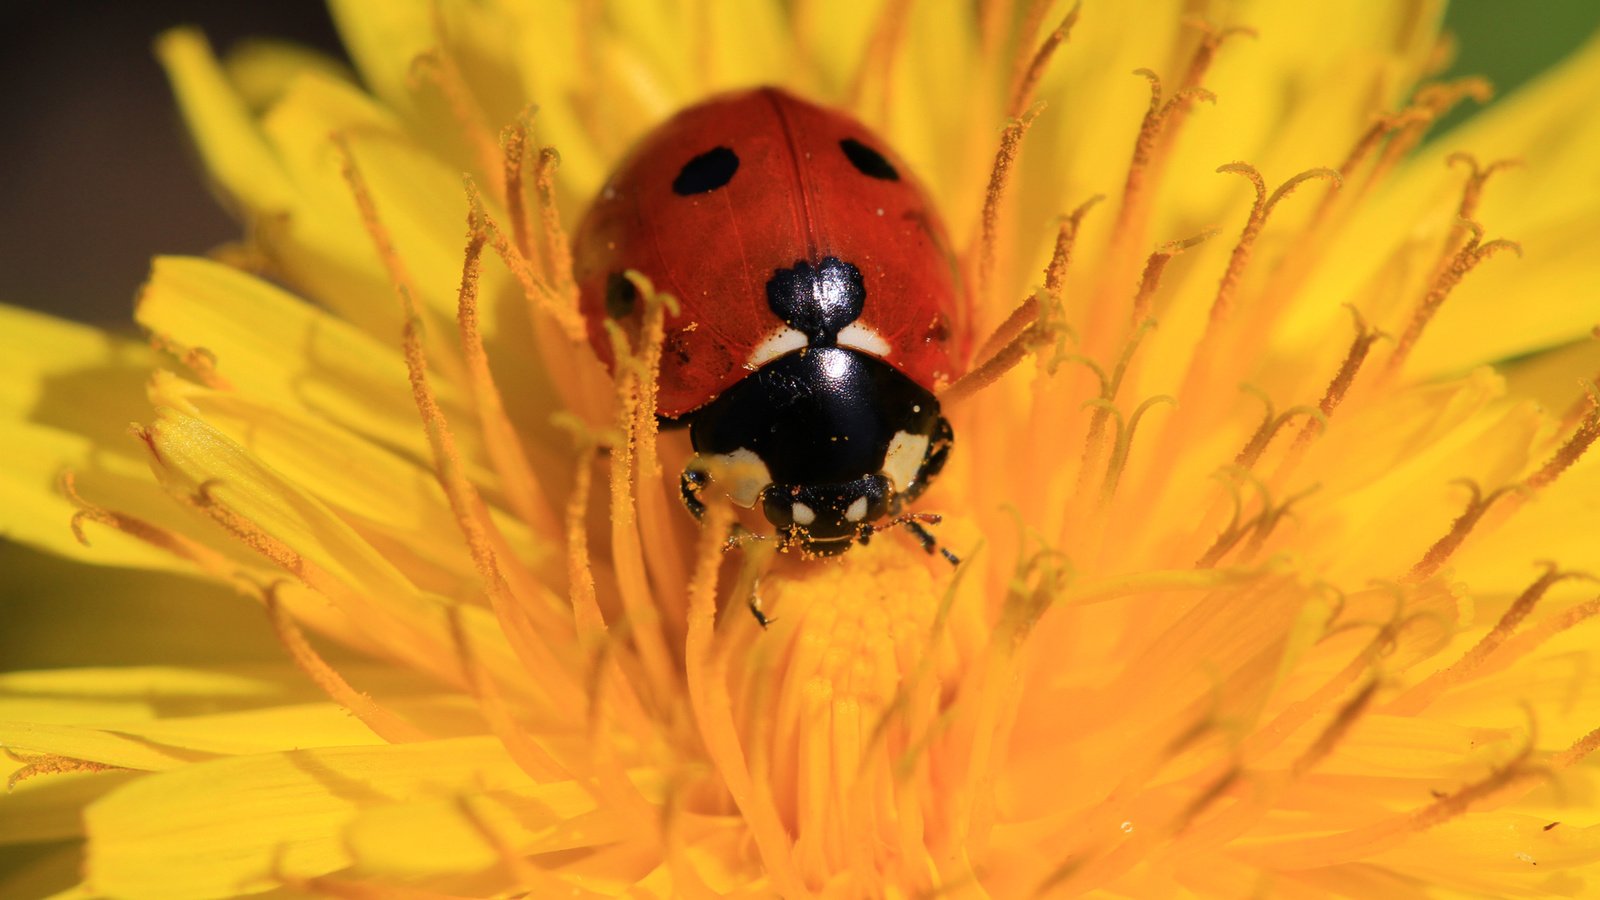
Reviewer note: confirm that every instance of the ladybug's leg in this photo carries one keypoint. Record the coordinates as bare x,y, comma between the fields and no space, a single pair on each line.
754,602
925,537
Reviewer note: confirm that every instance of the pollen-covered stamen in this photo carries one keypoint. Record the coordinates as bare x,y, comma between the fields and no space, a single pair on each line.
1432,102
52,764
1026,79
881,54
1154,265
994,194
178,545
383,722
198,360
527,616
1035,323
1586,403
528,755
1419,696
1156,133
1055,273
501,440
1473,252
636,373
553,241
1272,422
438,67
1397,133
1365,337
542,297
706,667
1222,304
513,152
1477,505
1124,443
1574,447
1258,527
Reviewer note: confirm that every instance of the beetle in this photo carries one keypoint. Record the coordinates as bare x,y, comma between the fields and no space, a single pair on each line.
817,289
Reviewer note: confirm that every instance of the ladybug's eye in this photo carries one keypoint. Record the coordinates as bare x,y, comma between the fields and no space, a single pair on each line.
868,161
706,172
621,295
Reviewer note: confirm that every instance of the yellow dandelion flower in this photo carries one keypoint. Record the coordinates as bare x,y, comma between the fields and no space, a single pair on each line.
1271,584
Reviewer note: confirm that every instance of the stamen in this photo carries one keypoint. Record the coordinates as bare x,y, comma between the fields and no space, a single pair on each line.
528,755
989,226
1026,33
533,642
1402,130
541,297
198,360
1005,358
1066,238
1585,405
1149,156
504,445
881,54
178,545
1587,431
513,147
1366,336
636,375
53,764
384,723
1263,206
1033,324
1419,696
439,67
1270,425
706,672
1124,443
1208,796
1442,549
1580,748
1155,264
1026,81
1465,260
590,622
555,246
1432,101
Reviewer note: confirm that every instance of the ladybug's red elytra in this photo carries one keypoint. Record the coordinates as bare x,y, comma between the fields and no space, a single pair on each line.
816,287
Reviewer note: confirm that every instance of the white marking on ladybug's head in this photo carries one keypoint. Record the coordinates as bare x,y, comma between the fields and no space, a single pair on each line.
904,458
857,336
742,474
857,510
802,514
774,345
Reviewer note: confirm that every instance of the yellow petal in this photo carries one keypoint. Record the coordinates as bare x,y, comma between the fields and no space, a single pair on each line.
238,159
335,372
322,550
167,835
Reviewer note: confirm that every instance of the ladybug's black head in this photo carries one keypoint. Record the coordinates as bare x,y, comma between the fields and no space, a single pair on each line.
828,440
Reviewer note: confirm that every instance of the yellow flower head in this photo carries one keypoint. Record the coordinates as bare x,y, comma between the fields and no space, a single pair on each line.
1271,586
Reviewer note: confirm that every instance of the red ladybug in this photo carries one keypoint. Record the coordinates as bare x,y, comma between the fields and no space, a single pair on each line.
816,287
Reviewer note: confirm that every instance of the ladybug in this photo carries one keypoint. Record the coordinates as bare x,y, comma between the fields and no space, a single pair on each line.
816,289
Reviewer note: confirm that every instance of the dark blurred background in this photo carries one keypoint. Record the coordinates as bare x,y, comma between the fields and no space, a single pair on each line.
95,175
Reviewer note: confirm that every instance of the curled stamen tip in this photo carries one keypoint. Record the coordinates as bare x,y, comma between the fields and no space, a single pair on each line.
1173,248
1495,246
203,492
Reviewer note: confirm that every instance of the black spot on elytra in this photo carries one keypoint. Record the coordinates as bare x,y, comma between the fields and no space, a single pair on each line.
868,161
706,172
621,295
817,301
